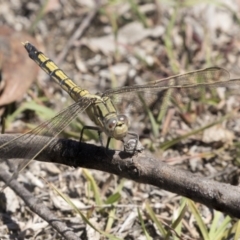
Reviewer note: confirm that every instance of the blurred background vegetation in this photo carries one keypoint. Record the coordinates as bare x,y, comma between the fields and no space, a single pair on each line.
106,44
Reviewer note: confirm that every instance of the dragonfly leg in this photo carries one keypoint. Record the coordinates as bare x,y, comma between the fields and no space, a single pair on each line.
108,141
95,128
133,144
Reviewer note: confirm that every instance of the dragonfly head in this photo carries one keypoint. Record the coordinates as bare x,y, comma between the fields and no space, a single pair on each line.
117,127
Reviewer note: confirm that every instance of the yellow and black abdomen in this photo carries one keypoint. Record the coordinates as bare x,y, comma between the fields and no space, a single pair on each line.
56,73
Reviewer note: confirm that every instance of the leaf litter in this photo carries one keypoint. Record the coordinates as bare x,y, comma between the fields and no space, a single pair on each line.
200,36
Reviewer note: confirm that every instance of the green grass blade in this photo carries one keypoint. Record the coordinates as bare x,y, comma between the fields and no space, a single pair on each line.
85,219
39,16
154,218
200,223
166,100
154,124
222,228
110,221
113,198
174,141
177,224
40,110
169,43
135,8
214,225
148,237
237,231
94,187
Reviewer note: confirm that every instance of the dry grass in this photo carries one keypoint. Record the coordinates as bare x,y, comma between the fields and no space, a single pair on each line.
129,42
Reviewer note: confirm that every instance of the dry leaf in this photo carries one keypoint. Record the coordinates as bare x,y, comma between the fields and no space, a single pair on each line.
17,69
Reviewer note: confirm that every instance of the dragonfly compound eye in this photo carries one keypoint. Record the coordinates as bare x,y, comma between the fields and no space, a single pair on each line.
123,119
111,124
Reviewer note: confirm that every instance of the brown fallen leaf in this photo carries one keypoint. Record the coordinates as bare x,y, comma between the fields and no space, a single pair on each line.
17,70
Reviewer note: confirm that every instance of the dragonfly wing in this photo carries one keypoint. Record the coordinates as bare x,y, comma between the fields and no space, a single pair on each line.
50,128
130,98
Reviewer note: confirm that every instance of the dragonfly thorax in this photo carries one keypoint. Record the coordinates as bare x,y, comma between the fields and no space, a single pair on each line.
104,114
116,127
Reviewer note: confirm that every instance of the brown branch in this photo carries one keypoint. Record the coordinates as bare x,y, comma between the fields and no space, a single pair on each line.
140,168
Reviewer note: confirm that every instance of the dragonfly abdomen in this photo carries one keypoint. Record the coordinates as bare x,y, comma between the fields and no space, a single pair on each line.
68,85
56,73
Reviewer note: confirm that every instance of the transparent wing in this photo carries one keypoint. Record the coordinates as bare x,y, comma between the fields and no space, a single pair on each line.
50,128
131,98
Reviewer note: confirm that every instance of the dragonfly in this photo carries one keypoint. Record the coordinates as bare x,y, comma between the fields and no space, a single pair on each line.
102,108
